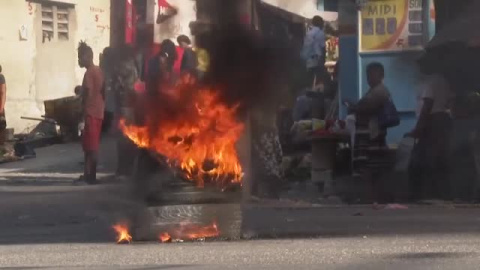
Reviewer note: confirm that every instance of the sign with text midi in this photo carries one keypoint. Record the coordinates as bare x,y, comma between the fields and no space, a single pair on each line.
392,25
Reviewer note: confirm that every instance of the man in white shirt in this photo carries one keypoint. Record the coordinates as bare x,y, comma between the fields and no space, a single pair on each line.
429,162
434,88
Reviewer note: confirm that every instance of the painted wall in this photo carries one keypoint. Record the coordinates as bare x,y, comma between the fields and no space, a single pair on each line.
17,60
36,71
402,78
305,8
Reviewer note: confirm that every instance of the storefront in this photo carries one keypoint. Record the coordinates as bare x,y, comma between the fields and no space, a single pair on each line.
394,33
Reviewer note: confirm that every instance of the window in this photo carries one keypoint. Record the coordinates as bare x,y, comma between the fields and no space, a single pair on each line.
330,5
55,22
47,22
62,23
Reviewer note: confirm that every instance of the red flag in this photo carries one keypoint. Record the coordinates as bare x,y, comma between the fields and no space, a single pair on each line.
165,11
128,22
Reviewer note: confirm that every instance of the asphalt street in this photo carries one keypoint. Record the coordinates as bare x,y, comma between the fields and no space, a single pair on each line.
47,223
443,252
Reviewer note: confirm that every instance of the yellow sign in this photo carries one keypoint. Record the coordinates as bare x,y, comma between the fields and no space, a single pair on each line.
388,25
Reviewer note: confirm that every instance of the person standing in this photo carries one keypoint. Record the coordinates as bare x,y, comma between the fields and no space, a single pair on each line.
429,164
370,113
369,107
313,52
161,66
177,66
189,58
3,99
93,109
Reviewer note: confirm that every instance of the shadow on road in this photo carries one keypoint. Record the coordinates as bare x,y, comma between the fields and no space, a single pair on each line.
434,255
158,267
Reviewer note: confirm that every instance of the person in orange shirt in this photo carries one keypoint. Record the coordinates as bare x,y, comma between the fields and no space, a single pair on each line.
93,109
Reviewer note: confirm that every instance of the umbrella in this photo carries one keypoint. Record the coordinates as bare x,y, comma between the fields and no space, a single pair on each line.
464,29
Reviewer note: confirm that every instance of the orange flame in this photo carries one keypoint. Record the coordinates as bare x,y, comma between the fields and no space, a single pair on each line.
190,231
165,237
200,141
123,236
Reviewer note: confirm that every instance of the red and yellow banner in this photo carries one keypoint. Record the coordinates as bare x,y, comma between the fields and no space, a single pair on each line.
391,25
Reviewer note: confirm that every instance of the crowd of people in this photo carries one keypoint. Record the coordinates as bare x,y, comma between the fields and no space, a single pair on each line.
376,112
112,91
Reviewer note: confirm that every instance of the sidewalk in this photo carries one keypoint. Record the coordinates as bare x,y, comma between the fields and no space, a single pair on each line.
58,164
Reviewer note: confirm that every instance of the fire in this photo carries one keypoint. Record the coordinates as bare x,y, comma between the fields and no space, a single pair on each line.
195,131
165,237
123,236
193,231
190,231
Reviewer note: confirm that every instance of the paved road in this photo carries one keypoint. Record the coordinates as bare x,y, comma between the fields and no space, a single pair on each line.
48,223
433,252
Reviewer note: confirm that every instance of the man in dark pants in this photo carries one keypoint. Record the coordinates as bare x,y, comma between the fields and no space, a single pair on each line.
189,59
429,163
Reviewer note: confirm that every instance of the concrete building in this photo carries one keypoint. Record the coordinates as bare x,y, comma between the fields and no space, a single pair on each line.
394,33
38,54
177,25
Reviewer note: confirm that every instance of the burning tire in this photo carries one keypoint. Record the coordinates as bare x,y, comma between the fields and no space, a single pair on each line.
188,165
173,202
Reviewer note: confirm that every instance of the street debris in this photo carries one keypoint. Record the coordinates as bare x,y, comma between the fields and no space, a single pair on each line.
177,241
396,207
393,206
7,153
